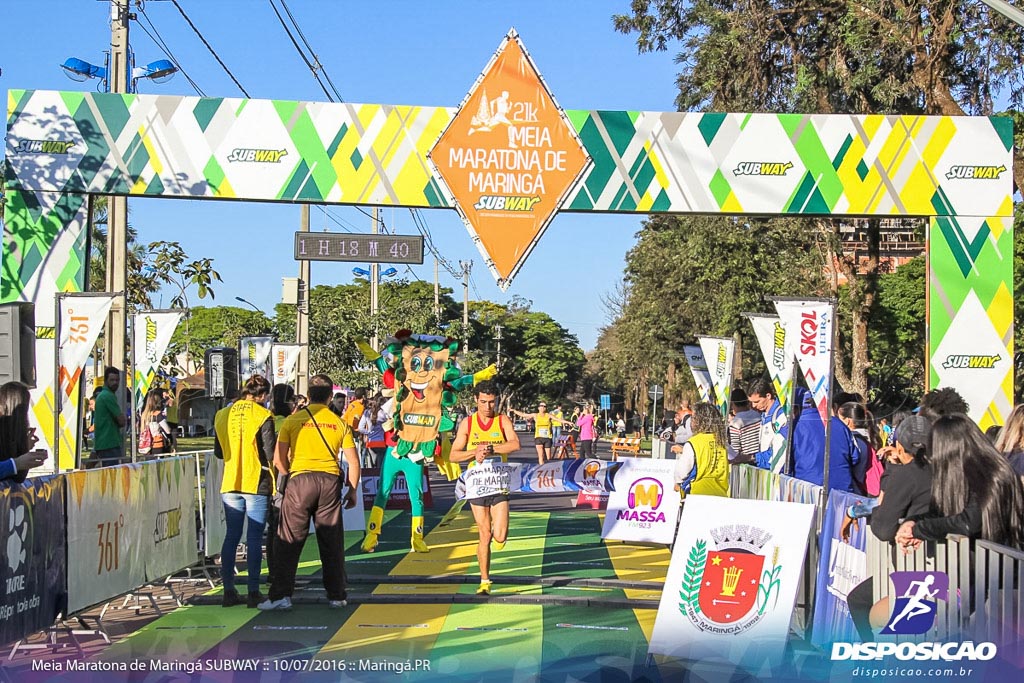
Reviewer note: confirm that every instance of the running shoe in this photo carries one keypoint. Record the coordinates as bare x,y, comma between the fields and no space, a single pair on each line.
337,604
484,589
267,605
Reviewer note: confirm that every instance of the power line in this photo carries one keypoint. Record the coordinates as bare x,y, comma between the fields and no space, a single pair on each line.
316,60
210,48
159,41
299,49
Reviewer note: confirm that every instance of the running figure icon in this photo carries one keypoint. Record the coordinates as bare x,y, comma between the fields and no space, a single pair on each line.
915,608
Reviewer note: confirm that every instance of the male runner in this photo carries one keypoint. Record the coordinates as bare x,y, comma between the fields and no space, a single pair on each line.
482,435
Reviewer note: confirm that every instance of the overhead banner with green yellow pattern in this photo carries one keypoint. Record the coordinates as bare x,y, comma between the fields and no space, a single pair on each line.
954,168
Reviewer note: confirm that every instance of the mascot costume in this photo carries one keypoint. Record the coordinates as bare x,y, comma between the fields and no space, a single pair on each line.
423,372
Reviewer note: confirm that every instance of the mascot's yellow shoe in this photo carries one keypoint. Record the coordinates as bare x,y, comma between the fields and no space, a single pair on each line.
418,544
373,529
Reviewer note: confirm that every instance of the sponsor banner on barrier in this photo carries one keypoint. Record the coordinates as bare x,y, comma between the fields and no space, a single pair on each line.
399,498
168,487
285,360
732,580
718,353
107,533
152,334
809,332
699,370
643,506
215,523
254,357
842,567
491,477
34,562
771,337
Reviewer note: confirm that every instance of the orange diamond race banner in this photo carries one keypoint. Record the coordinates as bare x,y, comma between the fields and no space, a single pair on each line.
509,158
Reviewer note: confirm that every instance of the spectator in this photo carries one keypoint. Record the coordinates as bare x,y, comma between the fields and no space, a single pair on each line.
245,441
154,431
761,395
884,431
809,448
744,430
282,403
702,463
354,412
371,427
1011,440
585,422
620,426
941,402
16,436
171,414
557,419
307,450
867,474
975,492
906,485
108,445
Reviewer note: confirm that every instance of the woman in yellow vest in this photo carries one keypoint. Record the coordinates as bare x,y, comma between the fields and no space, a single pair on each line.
543,425
702,463
245,440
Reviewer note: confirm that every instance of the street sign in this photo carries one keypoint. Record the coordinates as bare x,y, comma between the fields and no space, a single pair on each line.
655,392
332,246
606,402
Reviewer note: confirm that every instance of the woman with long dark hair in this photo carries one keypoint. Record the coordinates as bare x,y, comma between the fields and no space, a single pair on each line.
975,492
867,473
154,431
16,436
702,464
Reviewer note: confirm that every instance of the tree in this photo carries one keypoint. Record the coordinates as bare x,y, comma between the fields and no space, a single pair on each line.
213,327
877,56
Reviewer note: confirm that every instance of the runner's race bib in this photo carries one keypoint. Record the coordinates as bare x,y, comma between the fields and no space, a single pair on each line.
543,433
490,478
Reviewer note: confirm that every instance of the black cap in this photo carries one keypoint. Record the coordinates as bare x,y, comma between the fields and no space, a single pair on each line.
738,396
913,432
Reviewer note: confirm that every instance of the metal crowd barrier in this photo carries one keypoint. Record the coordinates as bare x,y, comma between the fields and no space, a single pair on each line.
999,598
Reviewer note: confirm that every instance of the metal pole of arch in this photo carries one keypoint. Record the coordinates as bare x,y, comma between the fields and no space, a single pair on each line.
302,315
1007,10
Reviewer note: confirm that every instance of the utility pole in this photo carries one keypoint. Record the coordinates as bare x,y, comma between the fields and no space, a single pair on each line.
437,296
467,266
302,321
374,282
117,207
498,338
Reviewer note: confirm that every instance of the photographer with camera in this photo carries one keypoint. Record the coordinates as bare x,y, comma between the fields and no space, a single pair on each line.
481,436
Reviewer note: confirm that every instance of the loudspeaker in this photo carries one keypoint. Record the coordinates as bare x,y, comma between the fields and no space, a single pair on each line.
222,372
18,343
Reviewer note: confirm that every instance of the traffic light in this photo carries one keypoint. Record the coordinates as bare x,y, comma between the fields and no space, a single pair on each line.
18,343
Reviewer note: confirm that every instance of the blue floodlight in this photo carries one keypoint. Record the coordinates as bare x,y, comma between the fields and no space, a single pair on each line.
390,272
80,70
159,71
360,272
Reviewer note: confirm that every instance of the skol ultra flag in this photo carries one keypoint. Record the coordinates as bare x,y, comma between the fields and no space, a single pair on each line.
718,352
809,330
254,357
699,368
153,332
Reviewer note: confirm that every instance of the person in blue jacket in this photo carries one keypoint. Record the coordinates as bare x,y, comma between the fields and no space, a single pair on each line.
809,447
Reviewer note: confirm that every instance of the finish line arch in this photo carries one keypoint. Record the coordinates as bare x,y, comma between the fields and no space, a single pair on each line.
62,147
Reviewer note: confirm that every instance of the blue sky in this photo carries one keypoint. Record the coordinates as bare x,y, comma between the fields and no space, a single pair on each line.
395,52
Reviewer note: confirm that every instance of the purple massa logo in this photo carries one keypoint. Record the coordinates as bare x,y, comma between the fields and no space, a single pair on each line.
917,594
645,492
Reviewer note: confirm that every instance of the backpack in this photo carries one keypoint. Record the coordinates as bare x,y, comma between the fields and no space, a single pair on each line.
145,441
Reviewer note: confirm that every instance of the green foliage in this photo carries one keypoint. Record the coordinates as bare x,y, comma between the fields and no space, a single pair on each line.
207,328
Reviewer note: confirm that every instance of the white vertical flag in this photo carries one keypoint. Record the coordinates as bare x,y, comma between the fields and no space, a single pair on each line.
699,368
719,352
771,336
80,319
254,357
809,330
152,335
285,358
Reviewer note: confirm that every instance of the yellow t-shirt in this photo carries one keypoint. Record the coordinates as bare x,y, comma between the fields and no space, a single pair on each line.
542,426
309,453
493,434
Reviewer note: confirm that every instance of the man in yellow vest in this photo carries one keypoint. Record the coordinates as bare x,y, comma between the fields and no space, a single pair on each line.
245,441
483,435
